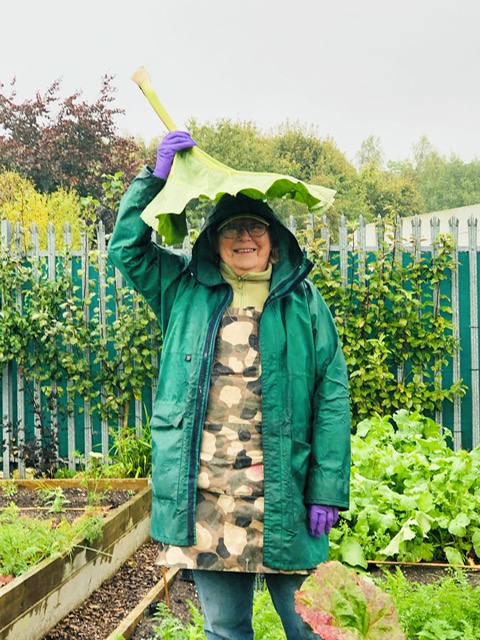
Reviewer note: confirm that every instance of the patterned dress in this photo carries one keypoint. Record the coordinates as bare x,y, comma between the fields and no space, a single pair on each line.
230,502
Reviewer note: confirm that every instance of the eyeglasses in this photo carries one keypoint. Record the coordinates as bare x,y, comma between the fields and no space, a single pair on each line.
233,231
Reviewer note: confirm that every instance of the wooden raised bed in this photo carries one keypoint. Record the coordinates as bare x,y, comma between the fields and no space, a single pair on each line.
35,601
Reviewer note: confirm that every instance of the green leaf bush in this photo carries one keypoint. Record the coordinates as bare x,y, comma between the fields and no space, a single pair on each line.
395,324
413,498
105,360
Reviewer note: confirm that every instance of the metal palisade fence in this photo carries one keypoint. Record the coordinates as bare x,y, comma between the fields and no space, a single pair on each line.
82,430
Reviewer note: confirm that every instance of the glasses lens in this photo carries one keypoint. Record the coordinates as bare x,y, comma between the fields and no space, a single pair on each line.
254,229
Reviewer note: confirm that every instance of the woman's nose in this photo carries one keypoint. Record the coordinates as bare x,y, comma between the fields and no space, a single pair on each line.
244,234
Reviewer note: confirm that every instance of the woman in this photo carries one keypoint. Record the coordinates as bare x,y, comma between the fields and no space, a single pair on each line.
251,420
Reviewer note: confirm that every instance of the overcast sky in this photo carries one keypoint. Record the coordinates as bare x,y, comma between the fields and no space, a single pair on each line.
397,69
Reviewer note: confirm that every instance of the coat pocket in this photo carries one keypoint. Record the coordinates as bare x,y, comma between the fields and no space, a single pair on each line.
169,442
167,414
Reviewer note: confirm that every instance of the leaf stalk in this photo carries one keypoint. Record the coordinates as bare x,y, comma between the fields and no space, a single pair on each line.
141,78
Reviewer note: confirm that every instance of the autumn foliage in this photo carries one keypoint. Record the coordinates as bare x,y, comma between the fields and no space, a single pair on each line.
64,143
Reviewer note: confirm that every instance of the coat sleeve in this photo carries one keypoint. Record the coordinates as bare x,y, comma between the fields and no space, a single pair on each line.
329,472
151,270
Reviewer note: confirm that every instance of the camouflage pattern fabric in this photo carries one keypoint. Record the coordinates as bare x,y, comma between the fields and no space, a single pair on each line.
230,507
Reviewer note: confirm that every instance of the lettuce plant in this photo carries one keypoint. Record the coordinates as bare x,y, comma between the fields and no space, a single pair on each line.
195,174
338,604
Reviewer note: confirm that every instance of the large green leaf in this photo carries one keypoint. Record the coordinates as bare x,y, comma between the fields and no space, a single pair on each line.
195,174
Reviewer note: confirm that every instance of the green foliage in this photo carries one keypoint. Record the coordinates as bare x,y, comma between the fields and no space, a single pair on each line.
395,326
169,628
9,488
266,621
442,183
339,604
26,541
292,149
95,357
131,454
446,609
54,497
387,193
195,174
413,499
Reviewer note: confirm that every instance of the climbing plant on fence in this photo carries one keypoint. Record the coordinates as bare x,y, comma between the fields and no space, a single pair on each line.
395,323
84,343
73,352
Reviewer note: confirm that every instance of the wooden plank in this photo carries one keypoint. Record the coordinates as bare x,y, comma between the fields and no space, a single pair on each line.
127,627
7,394
102,309
44,577
32,604
115,484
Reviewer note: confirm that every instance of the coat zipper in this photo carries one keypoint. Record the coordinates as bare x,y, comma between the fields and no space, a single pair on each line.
202,395
200,409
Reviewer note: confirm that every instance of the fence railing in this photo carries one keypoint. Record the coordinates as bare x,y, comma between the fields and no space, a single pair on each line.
84,432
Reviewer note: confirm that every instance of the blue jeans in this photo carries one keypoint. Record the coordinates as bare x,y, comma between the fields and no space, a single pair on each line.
227,602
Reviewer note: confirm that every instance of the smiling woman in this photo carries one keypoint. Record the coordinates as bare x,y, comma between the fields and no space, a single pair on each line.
251,424
244,245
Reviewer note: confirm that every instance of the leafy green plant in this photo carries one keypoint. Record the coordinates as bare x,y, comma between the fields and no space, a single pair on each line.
266,621
196,174
92,477
131,454
170,628
65,473
54,497
9,488
395,324
340,605
413,498
446,609
105,362
26,541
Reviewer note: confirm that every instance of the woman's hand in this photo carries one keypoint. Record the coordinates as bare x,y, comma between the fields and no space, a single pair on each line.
174,141
321,519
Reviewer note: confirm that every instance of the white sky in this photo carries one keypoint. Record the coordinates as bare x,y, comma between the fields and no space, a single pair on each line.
397,69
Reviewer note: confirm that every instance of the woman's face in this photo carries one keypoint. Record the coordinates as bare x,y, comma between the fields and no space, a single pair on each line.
244,253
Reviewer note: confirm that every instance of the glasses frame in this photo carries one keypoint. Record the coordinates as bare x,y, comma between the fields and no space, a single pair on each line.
237,230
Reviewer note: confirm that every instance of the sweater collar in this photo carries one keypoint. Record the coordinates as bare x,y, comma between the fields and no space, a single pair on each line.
255,276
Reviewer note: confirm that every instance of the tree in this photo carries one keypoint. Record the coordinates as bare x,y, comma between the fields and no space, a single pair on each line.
388,193
67,143
22,204
371,152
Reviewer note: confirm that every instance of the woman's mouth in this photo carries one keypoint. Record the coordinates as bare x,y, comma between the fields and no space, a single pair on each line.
244,250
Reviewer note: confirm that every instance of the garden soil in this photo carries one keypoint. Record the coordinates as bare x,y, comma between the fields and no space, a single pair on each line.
30,503
110,604
107,607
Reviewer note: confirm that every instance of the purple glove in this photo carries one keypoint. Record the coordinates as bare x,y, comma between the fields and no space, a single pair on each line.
174,141
321,519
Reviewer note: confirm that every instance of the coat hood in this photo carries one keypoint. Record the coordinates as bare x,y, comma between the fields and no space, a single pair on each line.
204,262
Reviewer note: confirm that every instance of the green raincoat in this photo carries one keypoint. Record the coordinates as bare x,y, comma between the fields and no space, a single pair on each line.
305,401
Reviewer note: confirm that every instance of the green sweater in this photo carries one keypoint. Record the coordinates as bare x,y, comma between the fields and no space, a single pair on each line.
249,290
